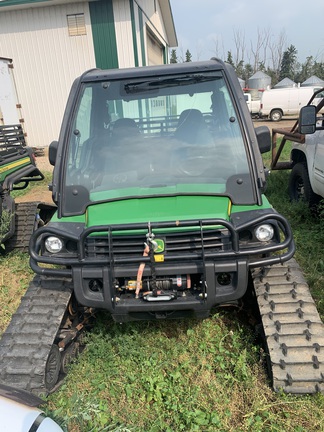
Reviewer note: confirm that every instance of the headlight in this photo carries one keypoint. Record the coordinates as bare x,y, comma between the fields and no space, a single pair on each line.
53,244
264,232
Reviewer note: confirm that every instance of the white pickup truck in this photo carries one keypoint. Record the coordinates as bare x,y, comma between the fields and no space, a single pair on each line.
307,174
253,105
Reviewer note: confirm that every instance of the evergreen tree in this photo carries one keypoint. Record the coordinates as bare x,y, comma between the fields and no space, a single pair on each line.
318,69
230,58
173,56
306,70
247,72
288,63
239,69
188,56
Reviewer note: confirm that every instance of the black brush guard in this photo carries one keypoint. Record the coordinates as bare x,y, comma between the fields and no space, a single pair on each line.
206,262
256,256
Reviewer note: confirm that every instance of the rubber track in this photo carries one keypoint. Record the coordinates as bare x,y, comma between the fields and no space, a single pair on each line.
293,328
25,216
26,343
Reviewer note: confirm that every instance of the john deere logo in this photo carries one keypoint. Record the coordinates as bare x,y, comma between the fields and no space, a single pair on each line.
160,245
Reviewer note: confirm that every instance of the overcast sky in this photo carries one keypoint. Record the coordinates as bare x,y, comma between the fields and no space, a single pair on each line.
208,27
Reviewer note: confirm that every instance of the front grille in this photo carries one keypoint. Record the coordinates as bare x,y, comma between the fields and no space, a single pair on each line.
211,241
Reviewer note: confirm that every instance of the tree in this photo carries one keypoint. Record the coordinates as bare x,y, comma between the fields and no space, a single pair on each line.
239,40
247,71
276,53
288,63
230,59
259,48
188,56
306,70
173,56
318,69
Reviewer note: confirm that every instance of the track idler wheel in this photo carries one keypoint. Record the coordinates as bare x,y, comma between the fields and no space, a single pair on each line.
68,356
52,369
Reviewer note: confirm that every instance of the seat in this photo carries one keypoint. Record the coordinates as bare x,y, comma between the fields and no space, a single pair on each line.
124,128
191,127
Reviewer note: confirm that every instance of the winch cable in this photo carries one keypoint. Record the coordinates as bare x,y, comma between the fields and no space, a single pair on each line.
152,248
204,281
153,269
141,270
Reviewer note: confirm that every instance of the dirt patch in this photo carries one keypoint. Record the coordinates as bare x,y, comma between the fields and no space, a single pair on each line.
38,194
39,190
283,124
42,162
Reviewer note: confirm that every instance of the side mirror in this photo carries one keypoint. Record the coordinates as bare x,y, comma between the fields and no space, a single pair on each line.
264,138
307,120
52,152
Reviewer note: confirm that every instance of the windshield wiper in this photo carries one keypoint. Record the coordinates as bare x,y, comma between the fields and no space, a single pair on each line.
155,84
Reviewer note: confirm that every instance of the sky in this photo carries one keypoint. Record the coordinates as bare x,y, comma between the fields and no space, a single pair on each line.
212,27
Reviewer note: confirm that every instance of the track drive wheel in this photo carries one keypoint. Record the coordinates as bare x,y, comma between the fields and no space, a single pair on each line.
52,369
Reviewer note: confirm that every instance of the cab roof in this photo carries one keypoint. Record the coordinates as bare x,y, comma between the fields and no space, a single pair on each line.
147,71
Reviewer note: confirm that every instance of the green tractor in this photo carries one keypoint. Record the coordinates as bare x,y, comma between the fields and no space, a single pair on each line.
17,170
161,214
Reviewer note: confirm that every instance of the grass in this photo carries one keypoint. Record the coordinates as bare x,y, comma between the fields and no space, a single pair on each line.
181,375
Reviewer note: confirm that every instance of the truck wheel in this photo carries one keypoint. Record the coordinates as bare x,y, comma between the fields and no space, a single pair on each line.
300,188
276,115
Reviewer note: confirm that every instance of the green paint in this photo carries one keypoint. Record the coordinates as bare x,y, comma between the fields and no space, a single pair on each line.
69,219
242,208
132,13
103,33
158,208
141,24
20,2
11,167
165,56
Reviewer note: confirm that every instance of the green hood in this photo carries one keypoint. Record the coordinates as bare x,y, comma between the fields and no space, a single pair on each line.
154,209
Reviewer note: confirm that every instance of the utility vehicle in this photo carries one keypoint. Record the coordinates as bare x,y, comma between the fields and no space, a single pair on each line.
17,170
161,214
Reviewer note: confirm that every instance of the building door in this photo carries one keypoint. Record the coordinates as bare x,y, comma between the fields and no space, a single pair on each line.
9,107
154,50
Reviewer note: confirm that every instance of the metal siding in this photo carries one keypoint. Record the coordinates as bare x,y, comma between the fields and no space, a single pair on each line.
103,32
154,19
127,52
46,62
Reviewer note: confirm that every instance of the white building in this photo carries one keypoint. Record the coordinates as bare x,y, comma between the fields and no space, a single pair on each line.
51,42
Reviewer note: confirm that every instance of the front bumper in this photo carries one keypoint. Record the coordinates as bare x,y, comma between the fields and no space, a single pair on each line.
214,250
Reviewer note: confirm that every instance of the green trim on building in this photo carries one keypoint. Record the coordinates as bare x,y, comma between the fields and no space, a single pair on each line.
141,25
4,3
103,33
132,14
165,54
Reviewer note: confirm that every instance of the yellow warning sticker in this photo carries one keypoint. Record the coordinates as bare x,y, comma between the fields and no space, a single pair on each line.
159,258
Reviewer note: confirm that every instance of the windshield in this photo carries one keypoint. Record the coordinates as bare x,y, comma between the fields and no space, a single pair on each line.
174,135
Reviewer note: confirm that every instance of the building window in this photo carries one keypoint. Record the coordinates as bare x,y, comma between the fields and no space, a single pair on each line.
76,24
